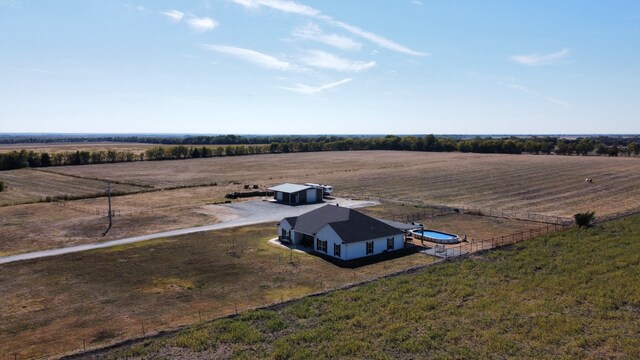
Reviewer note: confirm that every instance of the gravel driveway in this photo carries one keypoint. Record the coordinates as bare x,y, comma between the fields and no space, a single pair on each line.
230,215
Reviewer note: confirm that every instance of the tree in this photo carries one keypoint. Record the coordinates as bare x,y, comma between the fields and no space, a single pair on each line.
634,148
601,149
562,148
45,159
584,146
584,219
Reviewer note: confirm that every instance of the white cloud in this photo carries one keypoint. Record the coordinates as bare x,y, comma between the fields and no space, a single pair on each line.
313,32
174,15
311,90
325,60
281,5
417,2
537,94
374,38
300,9
202,24
542,59
256,57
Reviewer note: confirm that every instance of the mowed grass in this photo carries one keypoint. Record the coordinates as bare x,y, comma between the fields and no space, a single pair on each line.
569,295
552,185
109,295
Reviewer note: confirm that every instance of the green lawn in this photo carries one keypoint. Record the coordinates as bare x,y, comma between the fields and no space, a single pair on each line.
570,295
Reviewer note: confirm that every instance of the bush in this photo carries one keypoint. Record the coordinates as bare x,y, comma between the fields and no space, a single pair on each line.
1,185
584,219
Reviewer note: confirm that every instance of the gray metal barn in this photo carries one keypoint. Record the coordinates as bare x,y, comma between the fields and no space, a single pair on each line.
294,194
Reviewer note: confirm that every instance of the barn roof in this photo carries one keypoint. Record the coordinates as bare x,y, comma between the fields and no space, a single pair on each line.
351,225
290,188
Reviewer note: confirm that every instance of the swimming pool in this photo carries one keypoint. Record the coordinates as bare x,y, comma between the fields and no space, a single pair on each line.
436,236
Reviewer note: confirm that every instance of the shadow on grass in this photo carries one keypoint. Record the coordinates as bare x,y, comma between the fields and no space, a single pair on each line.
369,260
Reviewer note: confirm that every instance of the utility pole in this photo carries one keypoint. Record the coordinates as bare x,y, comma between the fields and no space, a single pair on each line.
110,213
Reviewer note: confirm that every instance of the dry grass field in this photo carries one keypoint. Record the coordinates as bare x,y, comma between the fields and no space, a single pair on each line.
53,148
40,226
108,295
546,298
552,185
28,185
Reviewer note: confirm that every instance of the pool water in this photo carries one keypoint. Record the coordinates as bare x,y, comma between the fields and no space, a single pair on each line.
436,236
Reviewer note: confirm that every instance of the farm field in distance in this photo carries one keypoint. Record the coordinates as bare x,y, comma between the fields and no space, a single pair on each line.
53,148
549,297
552,185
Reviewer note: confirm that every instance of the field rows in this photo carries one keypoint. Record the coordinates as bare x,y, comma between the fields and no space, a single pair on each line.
27,185
543,184
550,185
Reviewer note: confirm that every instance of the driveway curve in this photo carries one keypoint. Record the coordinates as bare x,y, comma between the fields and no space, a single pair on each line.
235,215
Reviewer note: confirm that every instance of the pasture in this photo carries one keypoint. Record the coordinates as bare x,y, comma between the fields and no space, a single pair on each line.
53,148
108,295
104,296
29,185
549,297
552,185
40,226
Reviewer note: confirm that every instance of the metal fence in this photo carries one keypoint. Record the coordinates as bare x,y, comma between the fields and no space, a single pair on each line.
431,210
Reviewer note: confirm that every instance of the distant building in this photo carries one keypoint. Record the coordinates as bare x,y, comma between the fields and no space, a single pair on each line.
340,232
294,194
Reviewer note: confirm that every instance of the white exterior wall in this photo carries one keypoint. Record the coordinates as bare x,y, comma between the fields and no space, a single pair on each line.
284,224
327,234
359,249
355,250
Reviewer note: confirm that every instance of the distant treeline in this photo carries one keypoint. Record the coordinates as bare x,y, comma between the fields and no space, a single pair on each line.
510,145
170,140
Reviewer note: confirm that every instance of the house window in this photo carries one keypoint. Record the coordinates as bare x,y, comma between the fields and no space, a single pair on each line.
321,245
369,247
336,250
390,243
284,234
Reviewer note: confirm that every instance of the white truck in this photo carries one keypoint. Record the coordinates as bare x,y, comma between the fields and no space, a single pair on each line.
326,189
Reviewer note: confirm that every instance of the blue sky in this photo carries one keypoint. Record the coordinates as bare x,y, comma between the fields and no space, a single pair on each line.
320,67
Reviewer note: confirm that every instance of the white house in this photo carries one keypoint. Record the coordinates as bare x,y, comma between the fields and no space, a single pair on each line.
342,233
294,194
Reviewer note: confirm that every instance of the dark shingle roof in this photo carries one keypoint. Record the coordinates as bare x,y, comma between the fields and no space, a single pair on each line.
292,220
351,225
